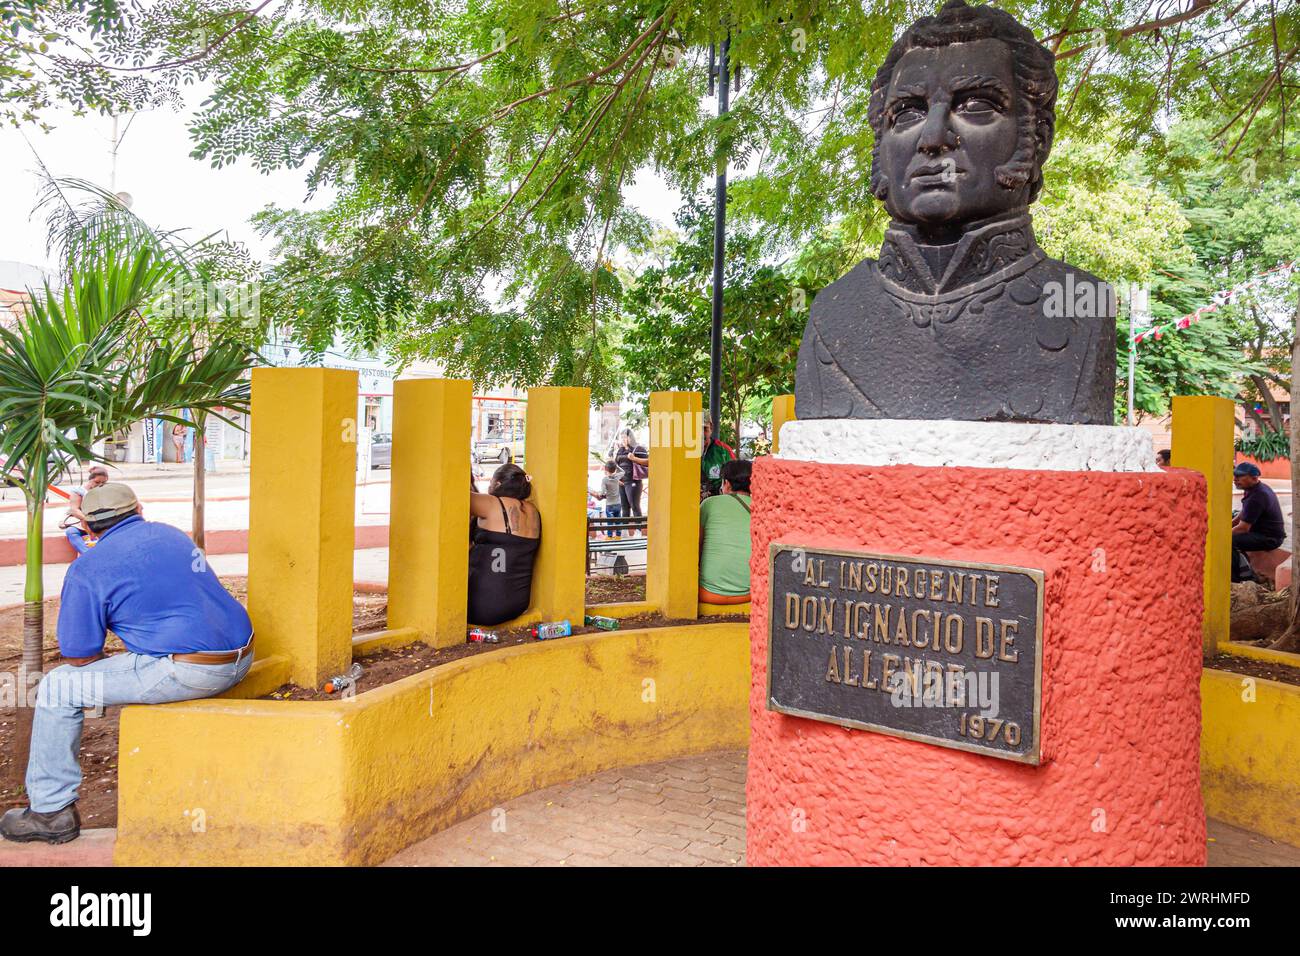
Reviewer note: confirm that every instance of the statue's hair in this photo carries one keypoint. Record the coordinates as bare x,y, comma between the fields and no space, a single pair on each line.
1033,65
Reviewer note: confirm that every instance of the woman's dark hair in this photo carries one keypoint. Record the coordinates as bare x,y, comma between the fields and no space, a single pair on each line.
736,473
510,481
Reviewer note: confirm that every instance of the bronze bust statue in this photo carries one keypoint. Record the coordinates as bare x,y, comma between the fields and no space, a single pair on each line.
960,317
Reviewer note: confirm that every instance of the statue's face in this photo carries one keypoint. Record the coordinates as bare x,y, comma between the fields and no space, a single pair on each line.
949,122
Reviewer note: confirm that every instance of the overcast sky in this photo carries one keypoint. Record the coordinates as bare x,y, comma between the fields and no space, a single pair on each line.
171,190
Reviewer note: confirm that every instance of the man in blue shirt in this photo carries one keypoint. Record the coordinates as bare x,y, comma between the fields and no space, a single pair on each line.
1259,525
186,638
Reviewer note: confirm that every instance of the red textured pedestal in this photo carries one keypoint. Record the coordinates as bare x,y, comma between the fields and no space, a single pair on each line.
1119,782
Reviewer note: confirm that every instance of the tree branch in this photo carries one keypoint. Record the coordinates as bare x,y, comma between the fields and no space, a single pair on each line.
201,55
1197,9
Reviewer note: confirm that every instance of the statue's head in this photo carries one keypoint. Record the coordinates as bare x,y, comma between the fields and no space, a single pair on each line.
963,111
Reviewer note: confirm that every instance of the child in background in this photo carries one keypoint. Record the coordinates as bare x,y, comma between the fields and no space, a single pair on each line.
609,493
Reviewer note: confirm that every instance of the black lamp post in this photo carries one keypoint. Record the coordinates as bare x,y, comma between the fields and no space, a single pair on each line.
719,71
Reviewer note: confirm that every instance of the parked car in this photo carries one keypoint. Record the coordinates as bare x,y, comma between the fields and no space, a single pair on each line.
501,445
381,450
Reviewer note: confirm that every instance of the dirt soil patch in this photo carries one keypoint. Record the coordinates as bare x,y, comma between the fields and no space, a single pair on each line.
615,588
1248,667
385,667
98,802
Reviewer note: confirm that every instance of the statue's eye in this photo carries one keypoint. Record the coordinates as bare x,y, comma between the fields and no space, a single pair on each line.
977,106
908,114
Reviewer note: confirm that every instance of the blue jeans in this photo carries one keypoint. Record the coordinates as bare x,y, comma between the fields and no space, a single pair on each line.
53,770
614,511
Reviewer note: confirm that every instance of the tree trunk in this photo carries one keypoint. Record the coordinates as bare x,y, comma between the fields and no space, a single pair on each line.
33,630
1290,641
200,479
1274,413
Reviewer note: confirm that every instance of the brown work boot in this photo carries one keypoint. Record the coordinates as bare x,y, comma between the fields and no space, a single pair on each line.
26,826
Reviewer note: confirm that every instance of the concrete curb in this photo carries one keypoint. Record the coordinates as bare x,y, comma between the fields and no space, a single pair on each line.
92,848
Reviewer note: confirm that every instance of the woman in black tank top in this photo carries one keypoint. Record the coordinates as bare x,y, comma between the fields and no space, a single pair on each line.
501,560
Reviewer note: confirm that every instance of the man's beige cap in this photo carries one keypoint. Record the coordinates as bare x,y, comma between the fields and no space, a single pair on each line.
108,501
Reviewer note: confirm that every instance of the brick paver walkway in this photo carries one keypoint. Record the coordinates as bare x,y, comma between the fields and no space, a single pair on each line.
688,812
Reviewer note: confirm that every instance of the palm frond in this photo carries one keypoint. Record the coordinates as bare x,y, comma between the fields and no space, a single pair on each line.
85,221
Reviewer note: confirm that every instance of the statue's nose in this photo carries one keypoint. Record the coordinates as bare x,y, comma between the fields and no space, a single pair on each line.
937,135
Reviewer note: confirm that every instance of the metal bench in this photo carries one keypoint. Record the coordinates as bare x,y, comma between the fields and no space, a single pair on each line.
614,535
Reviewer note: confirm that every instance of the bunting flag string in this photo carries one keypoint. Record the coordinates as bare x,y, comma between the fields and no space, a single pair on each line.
1220,298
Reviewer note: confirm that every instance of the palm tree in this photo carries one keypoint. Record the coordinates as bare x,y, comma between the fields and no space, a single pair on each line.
81,218
81,365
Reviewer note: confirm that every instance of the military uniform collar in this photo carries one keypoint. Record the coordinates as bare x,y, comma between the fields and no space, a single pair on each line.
985,254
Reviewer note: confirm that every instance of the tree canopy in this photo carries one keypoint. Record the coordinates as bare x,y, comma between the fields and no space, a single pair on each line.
665,340
478,153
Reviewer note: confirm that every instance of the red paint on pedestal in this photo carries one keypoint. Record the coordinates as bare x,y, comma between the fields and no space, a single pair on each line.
1119,783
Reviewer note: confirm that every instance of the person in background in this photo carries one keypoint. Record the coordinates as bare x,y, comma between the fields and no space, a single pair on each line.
632,460
724,538
595,510
178,439
185,638
74,525
1259,525
713,455
609,493
1163,457
507,533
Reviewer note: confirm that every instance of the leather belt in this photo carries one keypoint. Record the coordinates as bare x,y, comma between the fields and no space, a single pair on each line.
215,657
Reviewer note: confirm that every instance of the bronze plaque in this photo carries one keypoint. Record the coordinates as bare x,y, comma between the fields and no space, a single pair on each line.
947,652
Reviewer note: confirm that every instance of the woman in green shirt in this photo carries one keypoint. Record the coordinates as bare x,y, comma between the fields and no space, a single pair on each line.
724,538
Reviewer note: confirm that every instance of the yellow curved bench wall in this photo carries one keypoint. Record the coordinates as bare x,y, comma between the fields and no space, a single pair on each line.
221,782
1250,753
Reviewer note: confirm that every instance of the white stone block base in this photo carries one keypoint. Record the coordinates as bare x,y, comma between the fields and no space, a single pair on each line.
934,444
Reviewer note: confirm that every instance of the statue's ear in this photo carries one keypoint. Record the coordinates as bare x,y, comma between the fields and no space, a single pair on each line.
1044,133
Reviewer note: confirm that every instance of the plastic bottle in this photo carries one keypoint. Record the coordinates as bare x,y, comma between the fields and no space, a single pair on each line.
544,632
604,623
478,635
343,681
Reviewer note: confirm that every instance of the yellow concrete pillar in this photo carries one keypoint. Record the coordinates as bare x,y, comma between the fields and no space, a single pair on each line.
782,412
1202,441
428,557
673,548
556,456
302,500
